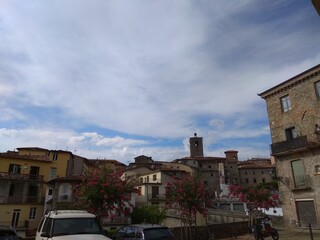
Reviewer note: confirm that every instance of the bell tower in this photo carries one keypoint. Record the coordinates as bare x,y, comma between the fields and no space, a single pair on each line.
196,146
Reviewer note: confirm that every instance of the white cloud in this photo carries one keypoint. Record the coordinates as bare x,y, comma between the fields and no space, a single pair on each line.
147,68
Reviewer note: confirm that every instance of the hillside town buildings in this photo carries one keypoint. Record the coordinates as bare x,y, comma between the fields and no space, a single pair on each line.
294,117
35,180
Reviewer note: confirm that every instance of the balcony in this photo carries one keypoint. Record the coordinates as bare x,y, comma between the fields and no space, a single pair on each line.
18,176
302,182
156,197
20,199
295,144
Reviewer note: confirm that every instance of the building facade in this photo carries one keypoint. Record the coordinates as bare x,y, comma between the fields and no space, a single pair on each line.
294,118
216,173
256,171
23,174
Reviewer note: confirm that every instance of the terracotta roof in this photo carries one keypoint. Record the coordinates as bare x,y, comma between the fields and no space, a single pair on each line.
102,161
33,148
201,158
27,157
255,163
66,179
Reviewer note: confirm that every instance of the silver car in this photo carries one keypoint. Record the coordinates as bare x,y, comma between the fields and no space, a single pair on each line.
143,232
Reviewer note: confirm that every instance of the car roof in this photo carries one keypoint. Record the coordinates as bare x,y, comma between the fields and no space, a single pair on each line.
70,214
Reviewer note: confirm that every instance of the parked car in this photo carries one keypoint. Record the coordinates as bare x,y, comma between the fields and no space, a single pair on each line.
69,225
8,233
143,232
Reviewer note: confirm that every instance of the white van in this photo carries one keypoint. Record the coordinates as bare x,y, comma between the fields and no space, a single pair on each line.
69,225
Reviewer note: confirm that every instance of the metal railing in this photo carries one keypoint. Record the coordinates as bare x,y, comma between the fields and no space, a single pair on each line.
300,182
20,199
18,176
290,145
156,197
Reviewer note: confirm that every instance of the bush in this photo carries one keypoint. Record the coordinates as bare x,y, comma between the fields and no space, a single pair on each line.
148,214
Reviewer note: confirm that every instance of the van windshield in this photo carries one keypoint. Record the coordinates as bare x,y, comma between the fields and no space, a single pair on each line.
73,226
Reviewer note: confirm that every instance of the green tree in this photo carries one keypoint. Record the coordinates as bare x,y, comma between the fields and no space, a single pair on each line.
148,214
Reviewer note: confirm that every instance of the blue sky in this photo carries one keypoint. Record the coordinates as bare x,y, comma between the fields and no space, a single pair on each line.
117,79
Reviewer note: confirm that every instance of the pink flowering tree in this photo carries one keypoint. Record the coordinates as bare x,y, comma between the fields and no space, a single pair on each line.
189,196
259,197
103,192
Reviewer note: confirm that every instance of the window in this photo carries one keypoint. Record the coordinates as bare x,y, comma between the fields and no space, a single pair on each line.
155,191
298,173
317,87
32,213
14,168
245,172
247,180
253,172
33,191
286,103
53,173
55,156
50,192
141,180
291,133
262,172
263,180
255,180
139,191
154,177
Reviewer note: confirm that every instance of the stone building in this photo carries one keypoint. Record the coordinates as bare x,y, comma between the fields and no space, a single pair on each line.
294,117
216,172
256,171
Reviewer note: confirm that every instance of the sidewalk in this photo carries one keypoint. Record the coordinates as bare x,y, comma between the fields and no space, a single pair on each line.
287,234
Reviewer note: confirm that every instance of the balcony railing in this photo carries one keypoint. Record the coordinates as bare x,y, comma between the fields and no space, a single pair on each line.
156,197
18,176
19,199
291,145
300,182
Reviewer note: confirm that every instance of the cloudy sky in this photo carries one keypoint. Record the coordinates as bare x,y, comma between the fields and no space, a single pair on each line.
117,79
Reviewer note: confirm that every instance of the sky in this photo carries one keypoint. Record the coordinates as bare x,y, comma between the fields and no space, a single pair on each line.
115,79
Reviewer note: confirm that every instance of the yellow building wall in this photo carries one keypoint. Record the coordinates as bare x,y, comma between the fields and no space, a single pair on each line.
47,160
6,212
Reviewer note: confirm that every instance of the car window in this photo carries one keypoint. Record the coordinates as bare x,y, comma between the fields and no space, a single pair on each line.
157,234
130,232
73,226
120,233
47,226
8,235
40,225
